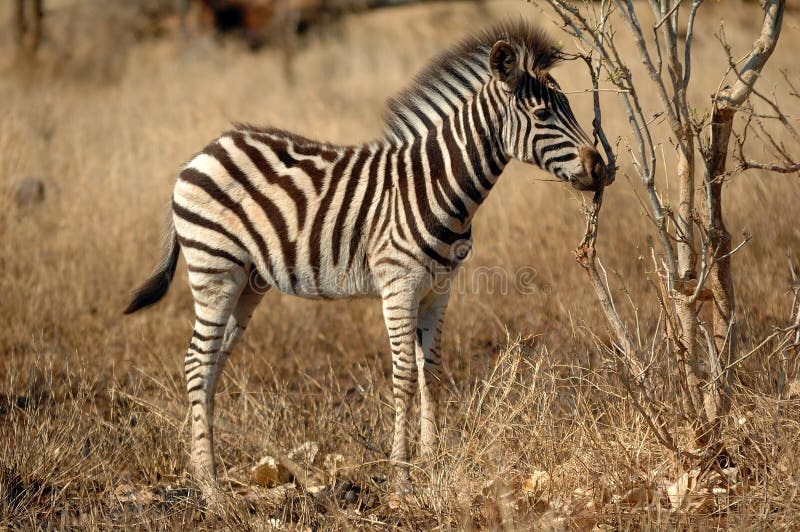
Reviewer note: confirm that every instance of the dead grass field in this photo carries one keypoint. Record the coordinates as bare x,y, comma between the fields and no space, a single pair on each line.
93,430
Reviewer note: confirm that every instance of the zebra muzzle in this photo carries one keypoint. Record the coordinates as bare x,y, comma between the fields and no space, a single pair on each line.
594,170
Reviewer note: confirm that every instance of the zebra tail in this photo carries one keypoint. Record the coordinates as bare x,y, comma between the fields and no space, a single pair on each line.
152,290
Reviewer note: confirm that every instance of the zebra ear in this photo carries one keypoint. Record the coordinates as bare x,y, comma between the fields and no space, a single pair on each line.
503,63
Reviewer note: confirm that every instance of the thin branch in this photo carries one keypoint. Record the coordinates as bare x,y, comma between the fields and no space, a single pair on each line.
612,63
668,14
585,255
760,53
792,330
771,167
632,21
687,47
597,125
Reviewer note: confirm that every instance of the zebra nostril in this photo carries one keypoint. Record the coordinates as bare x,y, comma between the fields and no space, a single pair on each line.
599,170
594,166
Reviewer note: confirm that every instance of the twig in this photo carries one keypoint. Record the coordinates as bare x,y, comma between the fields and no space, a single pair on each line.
668,14
794,329
771,167
761,51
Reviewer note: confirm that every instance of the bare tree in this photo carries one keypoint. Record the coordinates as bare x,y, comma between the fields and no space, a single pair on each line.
692,257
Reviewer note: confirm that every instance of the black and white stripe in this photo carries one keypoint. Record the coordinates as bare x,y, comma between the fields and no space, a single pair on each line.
260,208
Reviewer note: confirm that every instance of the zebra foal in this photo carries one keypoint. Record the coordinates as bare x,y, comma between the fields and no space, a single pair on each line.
261,207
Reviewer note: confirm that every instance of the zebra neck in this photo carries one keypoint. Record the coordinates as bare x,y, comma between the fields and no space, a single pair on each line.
457,157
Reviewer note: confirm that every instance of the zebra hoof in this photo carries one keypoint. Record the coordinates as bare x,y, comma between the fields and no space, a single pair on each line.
213,500
400,500
402,493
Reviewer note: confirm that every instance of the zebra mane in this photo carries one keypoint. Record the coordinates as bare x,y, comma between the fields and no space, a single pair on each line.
534,47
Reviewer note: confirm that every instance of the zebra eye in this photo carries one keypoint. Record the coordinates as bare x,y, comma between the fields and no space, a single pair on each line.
541,114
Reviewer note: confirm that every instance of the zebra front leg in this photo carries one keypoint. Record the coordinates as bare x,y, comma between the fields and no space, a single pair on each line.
429,365
400,314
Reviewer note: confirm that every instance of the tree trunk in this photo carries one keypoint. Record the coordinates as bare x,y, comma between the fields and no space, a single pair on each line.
725,104
723,341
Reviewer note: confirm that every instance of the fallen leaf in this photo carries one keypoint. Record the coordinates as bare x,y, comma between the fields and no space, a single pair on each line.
305,453
688,493
268,472
538,484
678,490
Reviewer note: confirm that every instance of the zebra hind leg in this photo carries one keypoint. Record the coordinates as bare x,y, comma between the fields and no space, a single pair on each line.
216,295
249,299
429,364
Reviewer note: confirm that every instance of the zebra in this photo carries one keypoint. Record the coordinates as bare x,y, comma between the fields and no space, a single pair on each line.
262,208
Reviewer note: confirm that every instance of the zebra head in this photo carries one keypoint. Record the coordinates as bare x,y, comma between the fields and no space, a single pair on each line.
539,126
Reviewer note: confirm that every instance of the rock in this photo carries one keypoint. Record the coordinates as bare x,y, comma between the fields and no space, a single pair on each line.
28,192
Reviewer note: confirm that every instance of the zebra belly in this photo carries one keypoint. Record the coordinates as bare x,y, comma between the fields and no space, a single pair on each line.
334,283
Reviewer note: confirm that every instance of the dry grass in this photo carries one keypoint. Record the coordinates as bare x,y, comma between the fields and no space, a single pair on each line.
92,407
